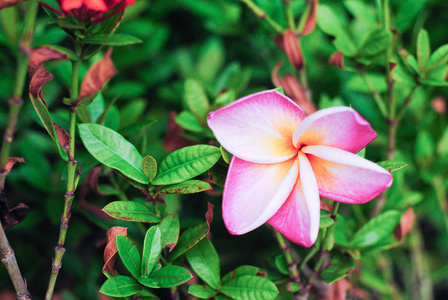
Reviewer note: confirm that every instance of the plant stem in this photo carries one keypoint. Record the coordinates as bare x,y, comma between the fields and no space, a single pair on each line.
71,180
289,17
375,95
304,17
292,266
260,13
16,101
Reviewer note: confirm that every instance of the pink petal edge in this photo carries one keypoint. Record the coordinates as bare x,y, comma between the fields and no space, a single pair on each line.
258,128
254,192
346,177
298,219
339,127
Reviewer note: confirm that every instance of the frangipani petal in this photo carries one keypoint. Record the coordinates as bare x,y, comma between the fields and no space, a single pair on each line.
258,128
340,127
254,192
346,177
69,5
298,218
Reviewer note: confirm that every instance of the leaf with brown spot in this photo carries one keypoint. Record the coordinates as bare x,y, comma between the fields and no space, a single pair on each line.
11,162
310,23
11,216
406,223
8,3
110,252
62,136
39,76
97,76
209,215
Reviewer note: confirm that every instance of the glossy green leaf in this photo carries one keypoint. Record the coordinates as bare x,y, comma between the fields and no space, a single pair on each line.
218,173
196,99
392,165
152,247
191,186
149,282
204,261
325,222
44,116
201,291
131,211
188,239
170,276
423,49
375,42
129,255
438,57
113,150
169,229
227,156
120,286
339,268
249,287
186,163
149,167
188,121
376,230
225,98
281,264
241,271
118,39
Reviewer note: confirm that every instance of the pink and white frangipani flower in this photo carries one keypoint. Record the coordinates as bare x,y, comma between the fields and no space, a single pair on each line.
283,161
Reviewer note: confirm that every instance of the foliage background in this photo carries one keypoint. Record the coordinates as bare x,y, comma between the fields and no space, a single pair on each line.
224,46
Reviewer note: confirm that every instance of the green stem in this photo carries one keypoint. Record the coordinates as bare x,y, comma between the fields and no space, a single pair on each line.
375,95
289,17
71,180
260,13
304,16
292,266
16,101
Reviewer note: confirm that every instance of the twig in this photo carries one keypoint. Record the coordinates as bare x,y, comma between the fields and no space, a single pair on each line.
260,13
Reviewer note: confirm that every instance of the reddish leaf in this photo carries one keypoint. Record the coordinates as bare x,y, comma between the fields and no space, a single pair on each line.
311,20
111,250
406,222
337,60
63,137
8,3
39,77
292,49
325,205
11,216
97,76
11,162
209,215
392,66
338,290
42,54
173,138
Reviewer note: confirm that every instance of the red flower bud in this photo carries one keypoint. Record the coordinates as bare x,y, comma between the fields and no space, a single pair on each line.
292,50
439,105
337,60
310,23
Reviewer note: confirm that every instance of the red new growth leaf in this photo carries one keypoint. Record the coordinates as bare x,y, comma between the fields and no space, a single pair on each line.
406,222
209,216
11,162
337,60
111,248
292,49
97,76
173,138
63,137
8,3
311,20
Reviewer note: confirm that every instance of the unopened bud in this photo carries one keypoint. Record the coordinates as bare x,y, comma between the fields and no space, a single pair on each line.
439,105
292,50
337,60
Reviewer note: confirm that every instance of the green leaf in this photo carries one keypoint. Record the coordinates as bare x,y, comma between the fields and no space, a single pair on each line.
241,271
423,49
375,42
131,211
376,230
201,291
438,57
149,167
149,282
169,228
66,52
392,166
325,221
188,239
225,155
188,121
340,267
330,23
120,286
249,287
218,173
204,260
113,150
152,247
424,147
118,39
129,255
225,98
187,187
358,84
44,116
170,276
196,99
186,163
281,264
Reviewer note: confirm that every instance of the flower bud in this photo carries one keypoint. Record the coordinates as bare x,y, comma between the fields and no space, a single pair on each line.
292,50
337,60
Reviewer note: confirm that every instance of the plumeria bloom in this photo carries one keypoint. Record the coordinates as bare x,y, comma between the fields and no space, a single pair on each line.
283,162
